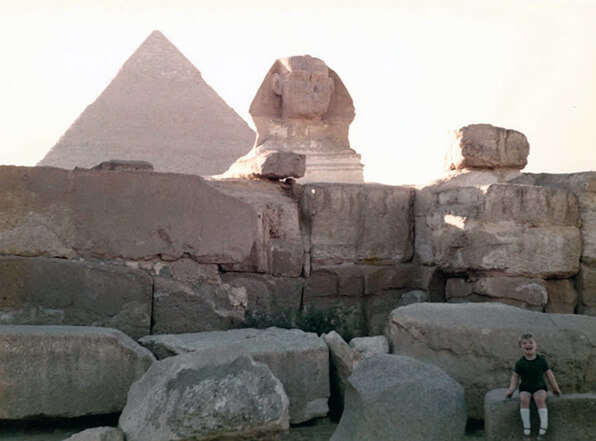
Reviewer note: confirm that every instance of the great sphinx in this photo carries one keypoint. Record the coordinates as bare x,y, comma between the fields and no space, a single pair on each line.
303,108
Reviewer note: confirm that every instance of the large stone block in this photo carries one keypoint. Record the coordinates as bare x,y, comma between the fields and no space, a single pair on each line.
486,146
570,417
476,344
41,291
66,371
391,397
271,301
300,360
113,214
214,394
518,230
343,361
278,249
358,223
583,185
517,291
194,307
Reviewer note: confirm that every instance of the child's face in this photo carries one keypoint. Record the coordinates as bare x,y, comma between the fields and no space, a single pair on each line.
528,346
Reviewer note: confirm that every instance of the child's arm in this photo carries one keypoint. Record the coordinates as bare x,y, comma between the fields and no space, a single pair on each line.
512,385
553,382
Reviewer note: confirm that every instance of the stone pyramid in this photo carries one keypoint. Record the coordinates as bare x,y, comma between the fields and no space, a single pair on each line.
158,109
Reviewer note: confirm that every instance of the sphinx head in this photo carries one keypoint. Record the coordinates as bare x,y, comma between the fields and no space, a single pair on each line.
305,86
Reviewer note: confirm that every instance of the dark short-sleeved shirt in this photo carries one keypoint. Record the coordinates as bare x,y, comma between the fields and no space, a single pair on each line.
532,372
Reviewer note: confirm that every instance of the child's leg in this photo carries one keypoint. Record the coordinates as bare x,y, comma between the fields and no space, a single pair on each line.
540,399
524,410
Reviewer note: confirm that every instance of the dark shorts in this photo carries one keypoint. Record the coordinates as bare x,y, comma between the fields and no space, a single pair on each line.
532,388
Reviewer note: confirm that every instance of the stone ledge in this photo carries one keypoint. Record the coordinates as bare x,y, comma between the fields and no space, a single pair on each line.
570,417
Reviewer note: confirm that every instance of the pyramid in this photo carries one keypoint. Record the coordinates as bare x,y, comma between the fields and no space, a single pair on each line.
158,109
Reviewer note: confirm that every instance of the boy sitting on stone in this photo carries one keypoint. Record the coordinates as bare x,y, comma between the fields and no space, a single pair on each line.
531,368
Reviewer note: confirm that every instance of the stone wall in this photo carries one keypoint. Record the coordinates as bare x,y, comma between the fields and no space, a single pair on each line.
149,252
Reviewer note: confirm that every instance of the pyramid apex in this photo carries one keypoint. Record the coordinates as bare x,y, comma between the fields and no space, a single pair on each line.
157,34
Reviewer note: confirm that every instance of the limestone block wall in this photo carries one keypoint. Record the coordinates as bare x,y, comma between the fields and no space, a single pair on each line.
149,252
499,237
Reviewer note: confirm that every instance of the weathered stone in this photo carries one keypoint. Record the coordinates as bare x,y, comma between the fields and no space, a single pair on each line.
271,301
157,108
67,371
279,249
518,230
476,344
98,434
583,185
516,291
358,223
268,164
41,291
302,106
392,398
300,360
343,361
416,296
368,346
587,288
186,307
120,165
562,296
570,417
486,146
136,216
187,270
217,393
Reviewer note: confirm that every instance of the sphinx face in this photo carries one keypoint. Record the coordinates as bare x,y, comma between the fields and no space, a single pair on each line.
305,90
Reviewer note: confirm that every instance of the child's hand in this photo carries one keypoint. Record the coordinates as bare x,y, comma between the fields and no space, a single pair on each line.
557,391
509,394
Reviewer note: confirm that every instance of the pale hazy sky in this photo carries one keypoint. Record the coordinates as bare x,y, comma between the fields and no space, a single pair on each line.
416,69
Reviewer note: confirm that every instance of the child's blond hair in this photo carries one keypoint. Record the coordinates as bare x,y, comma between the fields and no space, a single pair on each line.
525,336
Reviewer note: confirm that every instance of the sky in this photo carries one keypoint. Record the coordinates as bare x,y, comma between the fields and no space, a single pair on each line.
416,69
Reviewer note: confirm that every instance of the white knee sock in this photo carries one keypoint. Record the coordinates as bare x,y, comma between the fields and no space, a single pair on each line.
543,414
525,416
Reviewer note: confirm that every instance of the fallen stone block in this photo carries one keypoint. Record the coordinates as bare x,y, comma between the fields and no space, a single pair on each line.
390,397
368,346
268,164
570,417
41,291
67,371
343,360
217,393
98,434
476,344
299,359
485,146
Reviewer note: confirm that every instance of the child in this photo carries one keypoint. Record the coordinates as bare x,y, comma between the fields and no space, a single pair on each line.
531,369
